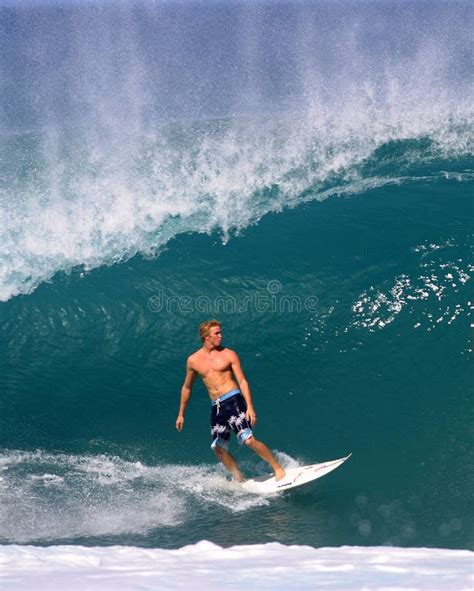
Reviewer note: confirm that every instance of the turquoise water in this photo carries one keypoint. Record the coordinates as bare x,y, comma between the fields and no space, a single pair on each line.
335,246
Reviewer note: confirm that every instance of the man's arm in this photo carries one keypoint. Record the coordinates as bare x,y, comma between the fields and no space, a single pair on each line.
185,394
243,385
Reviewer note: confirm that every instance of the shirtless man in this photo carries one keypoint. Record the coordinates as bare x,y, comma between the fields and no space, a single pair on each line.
232,406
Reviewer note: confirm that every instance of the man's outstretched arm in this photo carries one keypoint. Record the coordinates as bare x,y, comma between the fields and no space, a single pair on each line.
243,385
185,394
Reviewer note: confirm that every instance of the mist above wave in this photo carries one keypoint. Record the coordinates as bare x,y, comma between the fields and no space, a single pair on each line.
205,120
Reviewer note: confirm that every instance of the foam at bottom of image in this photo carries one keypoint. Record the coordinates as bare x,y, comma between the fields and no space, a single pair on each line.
260,566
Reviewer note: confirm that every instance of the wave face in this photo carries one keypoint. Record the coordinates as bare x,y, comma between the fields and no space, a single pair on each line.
124,126
141,144
352,318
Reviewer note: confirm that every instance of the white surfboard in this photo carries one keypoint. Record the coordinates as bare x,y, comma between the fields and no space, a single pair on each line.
267,484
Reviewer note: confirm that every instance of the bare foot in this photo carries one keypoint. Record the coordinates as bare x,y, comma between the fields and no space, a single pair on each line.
238,476
279,473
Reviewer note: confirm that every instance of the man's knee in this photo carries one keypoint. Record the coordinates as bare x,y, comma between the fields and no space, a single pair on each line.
220,451
250,441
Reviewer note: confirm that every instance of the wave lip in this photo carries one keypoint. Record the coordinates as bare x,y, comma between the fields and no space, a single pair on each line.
264,566
92,209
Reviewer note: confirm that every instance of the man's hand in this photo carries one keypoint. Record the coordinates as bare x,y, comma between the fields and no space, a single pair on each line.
251,415
180,422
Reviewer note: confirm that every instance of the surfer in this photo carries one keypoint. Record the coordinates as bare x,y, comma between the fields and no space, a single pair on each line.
232,406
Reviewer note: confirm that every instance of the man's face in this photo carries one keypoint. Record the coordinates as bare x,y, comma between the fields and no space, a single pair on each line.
215,336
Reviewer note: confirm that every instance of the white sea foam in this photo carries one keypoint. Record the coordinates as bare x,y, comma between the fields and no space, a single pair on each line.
270,566
47,496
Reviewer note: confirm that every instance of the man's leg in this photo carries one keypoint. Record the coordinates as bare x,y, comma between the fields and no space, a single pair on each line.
262,450
229,462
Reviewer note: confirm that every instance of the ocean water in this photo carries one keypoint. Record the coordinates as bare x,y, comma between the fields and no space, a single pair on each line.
302,171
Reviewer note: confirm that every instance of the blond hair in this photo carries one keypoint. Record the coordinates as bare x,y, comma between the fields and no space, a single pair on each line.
205,328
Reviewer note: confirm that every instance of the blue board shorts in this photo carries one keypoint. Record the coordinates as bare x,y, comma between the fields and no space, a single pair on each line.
229,414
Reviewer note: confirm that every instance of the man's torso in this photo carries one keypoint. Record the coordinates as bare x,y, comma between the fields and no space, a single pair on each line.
215,369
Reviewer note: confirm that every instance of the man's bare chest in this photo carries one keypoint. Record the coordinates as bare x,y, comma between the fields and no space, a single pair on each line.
218,364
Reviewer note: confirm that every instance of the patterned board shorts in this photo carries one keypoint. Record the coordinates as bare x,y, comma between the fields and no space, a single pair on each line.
228,413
